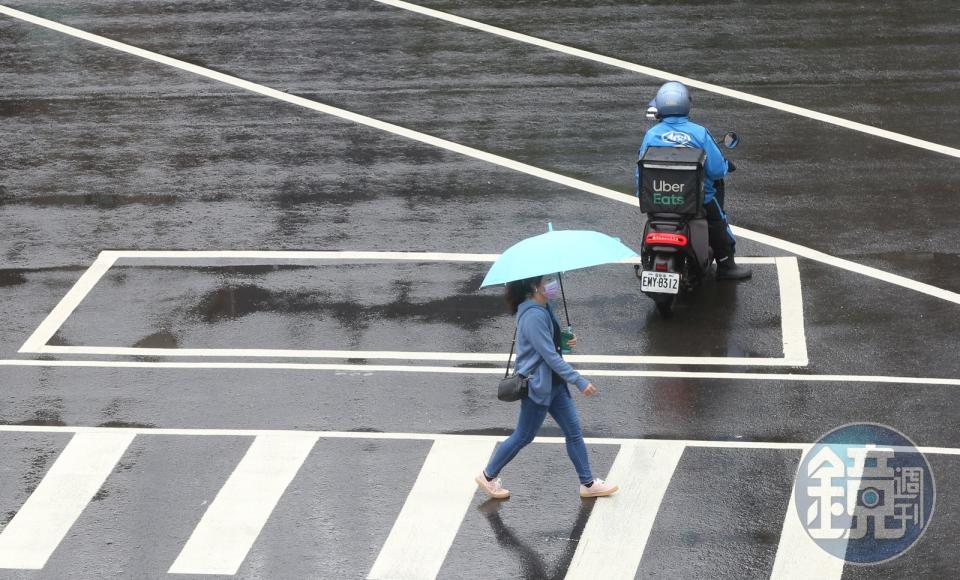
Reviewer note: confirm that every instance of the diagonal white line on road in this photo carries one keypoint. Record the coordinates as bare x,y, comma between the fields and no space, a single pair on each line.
667,76
321,108
232,523
471,152
798,556
71,482
613,541
431,516
68,303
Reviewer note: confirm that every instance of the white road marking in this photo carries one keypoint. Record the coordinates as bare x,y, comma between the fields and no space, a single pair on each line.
367,369
481,155
791,310
667,76
818,256
335,255
788,279
493,357
319,107
433,437
68,303
299,353
614,538
612,542
37,341
353,256
428,523
230,526
798,556
27,542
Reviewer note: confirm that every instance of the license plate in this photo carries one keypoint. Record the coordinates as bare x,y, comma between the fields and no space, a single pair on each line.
663,282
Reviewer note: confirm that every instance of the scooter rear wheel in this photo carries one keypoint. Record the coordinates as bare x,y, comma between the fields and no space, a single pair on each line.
664,304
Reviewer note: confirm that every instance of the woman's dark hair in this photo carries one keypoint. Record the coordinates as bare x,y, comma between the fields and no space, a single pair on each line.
519,290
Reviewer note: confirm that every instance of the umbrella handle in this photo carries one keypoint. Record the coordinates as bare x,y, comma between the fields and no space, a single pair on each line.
566,313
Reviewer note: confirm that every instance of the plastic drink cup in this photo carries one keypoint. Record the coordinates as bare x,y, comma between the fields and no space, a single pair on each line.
566,334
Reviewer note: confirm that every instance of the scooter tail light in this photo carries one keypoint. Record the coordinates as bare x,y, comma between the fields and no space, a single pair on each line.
665,239
661,267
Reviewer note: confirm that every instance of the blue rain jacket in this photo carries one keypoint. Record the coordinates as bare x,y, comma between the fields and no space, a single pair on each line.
681,132
537,356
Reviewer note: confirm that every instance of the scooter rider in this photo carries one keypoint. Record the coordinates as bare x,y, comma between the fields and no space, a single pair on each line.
676,130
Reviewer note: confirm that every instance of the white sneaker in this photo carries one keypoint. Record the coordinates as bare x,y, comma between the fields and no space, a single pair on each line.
600,488
493,488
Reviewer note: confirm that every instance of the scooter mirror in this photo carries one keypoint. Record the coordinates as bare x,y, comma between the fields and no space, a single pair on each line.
731,140
651,113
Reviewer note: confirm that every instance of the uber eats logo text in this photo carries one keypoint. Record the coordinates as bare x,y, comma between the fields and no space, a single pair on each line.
665,193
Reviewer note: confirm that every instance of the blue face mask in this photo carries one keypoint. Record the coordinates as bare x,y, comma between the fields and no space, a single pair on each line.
551,289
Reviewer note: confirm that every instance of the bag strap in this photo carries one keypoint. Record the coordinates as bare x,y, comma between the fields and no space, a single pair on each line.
513,344
506,373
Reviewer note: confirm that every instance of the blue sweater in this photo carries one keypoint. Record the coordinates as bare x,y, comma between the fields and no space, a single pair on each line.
537,357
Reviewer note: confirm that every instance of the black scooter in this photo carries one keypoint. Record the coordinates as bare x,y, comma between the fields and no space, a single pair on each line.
675,252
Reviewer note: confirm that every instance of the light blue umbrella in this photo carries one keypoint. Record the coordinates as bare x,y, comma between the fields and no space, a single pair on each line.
556,252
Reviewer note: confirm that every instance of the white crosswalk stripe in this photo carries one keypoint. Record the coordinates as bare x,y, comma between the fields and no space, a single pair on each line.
33,534
231,524
611,544
433,512
798,556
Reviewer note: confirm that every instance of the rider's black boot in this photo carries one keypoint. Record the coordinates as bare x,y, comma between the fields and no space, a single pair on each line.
729,270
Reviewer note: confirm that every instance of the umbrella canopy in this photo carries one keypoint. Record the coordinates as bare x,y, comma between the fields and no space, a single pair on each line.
556,251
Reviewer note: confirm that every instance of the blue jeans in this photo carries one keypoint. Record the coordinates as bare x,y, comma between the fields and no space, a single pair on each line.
532,415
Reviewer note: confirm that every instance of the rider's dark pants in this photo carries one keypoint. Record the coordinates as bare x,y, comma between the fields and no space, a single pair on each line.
722,240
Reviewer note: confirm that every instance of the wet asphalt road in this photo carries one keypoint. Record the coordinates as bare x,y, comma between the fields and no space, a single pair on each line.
103,150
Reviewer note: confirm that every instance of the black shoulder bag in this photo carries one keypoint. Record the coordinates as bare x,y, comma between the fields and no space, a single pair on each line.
513,387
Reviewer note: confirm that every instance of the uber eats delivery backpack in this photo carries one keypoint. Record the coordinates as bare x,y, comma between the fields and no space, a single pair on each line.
671,181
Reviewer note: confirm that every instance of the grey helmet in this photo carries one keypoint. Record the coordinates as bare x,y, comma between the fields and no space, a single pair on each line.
673,100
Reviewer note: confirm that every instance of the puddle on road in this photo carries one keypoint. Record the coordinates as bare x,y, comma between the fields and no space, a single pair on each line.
235,301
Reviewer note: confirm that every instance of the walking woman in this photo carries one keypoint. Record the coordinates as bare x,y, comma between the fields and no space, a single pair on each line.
538,357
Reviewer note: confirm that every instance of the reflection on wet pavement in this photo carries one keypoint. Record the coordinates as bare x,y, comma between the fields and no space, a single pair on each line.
105,151
531,562
430,307
236,301
97,200
12,277
161,339
45,411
